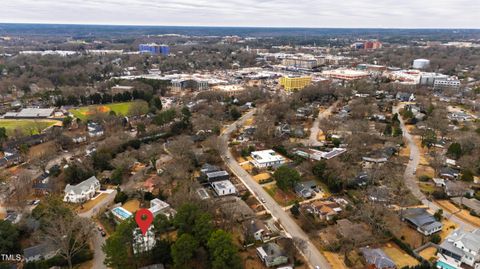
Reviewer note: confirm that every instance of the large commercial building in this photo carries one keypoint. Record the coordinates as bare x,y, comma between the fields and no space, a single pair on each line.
154,49
301,63
346,74
448,84
295,83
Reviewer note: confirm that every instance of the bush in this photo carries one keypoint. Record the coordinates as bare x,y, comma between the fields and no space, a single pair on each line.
435,239
120,197
424,178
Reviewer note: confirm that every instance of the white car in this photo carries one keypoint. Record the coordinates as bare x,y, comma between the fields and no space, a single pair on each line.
262,199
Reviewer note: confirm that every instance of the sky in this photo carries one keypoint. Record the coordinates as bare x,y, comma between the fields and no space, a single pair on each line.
266,13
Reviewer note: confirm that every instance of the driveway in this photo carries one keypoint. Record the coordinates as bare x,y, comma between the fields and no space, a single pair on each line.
312,140
411,180
311,253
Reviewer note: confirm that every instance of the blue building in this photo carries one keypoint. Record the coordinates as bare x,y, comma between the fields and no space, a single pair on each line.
154,49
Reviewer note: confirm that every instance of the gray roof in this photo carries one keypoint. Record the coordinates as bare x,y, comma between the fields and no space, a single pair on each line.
82,186
377,257
420,218
41,249
470,240
217,174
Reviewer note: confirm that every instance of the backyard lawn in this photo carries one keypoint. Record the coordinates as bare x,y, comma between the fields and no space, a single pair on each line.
91,203
119,108
399,256
26,126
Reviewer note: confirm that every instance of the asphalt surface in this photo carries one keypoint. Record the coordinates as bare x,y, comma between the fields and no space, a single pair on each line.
310,252
411,180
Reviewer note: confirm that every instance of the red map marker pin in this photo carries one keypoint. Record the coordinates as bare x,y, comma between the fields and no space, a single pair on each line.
143,218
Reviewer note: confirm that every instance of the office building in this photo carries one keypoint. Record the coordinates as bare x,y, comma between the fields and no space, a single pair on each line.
295,83
154,49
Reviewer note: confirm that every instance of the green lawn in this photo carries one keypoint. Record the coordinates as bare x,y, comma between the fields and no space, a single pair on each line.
119,108
26,127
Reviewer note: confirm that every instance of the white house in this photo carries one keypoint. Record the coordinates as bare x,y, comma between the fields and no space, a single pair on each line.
83,191
460,248
158,206
94,129
224,187
267,158
143,243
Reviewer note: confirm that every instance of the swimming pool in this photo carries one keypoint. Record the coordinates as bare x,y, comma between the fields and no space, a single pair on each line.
121,213
443,265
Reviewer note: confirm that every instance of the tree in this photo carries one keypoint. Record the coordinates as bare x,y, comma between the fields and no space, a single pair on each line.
295,209
286,177
8,237
183,251
438,215
185,218
235,114
223,252
203,228
118,247
64,229
3,134
67,121
319,169
429,138
161,223
455,151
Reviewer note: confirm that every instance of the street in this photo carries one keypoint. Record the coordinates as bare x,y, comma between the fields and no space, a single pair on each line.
311,253
411,180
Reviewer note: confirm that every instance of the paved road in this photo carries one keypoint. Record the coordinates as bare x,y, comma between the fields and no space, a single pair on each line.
311,253
98,255
98,240
411,181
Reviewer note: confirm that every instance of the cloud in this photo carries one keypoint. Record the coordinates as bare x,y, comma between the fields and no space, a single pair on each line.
278,13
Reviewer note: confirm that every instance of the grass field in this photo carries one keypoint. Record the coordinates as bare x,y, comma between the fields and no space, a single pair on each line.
119,108
26,126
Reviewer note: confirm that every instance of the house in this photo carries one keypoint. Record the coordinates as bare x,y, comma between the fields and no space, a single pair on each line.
272,254
306,189
449,173
158,206
208,168
217,176
94,129
405,97
455,188
460,116
423,221
223,187
377,259
267,158
380,156
471,204
83,191
318,155
361,180
325,210
461,249
143,243
39,252
257,230
380,194
439,182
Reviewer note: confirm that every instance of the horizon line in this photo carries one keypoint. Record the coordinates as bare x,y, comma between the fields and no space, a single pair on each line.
240,26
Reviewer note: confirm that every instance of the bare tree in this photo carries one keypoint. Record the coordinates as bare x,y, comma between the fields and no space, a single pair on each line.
22,185
68,232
